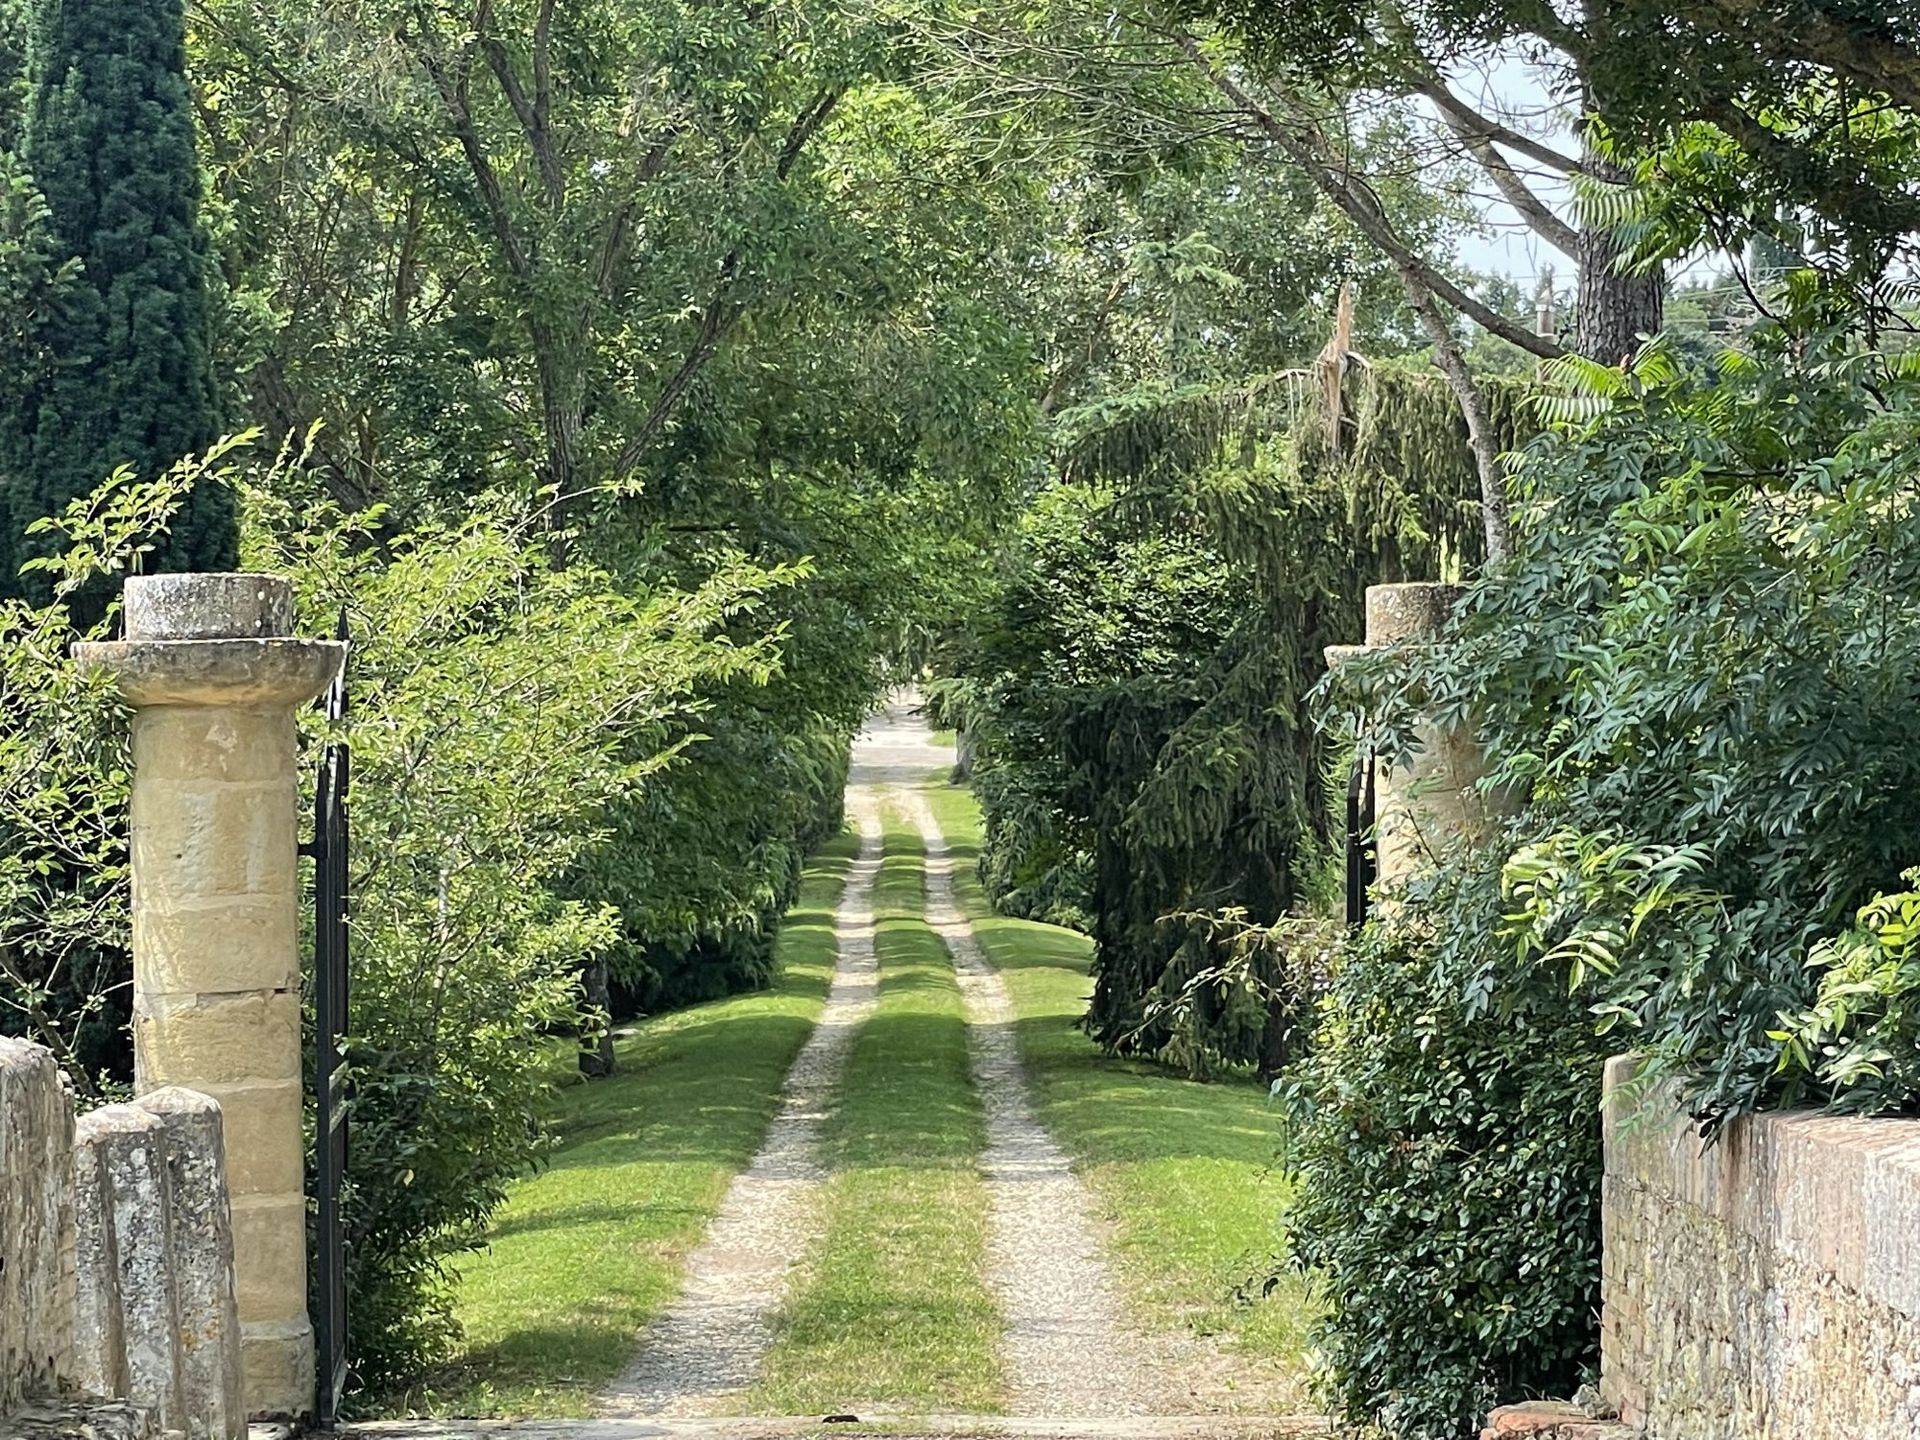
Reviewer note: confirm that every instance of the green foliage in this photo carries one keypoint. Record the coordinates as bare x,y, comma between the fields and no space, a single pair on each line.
705,290
1695,684
1708,641
500,707
63,781
1444,1135
1802,115
110,281
1860,1038
703,864
1141,747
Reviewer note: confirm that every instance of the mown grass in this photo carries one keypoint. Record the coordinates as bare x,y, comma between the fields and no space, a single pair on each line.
586,1252
890,1311
1185,1171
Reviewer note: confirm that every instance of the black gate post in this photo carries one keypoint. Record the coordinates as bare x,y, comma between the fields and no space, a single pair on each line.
1362,847
329,851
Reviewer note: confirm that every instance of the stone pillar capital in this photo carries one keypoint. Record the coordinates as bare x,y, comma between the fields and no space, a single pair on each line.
214,673
211,640
1428,796
1412,611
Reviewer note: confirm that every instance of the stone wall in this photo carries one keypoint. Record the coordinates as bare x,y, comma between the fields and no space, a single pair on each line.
1766,1288
116,1261
36,1225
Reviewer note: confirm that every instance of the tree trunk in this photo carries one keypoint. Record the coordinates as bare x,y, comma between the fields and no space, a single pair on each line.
1617,311
596,1046
1614,310
1494,506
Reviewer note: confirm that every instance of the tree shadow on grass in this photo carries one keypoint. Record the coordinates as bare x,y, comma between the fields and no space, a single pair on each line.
649,1220
709,1098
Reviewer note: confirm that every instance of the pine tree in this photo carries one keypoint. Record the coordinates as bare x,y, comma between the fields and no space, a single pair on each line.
128,375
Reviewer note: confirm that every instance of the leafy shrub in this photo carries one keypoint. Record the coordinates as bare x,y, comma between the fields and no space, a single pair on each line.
1143,752
702,864
64,776
488,777
500,708
1445,1133
1698,681
1711,640
1860,1037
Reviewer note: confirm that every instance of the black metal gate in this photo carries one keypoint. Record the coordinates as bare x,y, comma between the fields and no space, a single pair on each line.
329,853
1362,847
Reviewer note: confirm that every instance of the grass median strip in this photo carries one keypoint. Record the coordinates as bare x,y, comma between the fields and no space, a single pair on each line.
587,1252
1186,1171
890,1310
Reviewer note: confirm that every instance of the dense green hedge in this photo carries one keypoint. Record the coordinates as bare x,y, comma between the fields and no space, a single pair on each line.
1448,1154
703,866
1699,678
1136,695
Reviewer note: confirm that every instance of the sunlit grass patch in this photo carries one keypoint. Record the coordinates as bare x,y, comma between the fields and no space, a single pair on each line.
589,1250
891,1310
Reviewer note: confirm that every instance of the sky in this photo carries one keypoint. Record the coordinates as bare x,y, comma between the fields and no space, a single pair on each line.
1515,92
1518,93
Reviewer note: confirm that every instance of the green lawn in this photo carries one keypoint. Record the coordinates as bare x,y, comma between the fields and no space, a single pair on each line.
890,1310
584,1254
1184,1170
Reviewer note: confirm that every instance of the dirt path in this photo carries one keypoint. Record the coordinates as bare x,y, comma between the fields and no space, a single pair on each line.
708,1345
1068,1349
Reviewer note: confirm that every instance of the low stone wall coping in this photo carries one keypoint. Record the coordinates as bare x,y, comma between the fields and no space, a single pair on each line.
1765,1286
1836,1193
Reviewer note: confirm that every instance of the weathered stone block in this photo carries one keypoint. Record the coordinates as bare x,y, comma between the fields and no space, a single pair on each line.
211,745
192,841
100,1343
1550,1420
209,1040
1397,614
216,605
201,1239
270,1274
131,1145
84,1420
261,1123
36,1223
279,1367
246,944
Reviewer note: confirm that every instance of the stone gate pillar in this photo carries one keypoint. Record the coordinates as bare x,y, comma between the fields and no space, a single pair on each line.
214,674
1428,799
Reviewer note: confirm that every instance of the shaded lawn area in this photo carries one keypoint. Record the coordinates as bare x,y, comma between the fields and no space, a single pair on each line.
587,1251
890,1308
1186,1171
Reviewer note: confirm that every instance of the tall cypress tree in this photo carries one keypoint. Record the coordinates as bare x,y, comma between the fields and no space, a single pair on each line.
128,376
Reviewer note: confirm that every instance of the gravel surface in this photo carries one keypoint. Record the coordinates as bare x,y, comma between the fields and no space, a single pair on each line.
787,1427
1067,1351
709,1343
1070,1352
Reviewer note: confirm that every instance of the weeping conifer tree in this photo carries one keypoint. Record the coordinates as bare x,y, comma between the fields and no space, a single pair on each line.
1144,747
126,373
